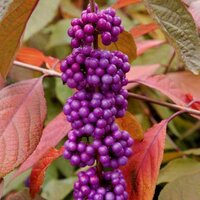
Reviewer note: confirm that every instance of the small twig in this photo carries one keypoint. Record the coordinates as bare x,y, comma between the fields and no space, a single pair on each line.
36,68
170,62
169,105
95,43
92,5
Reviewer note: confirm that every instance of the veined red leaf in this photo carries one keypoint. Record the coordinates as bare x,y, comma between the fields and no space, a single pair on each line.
140,72
30,56
39,169
22,114
55,131
176,86
11,29
143,29
129,123
142,169
123,3
167,86
143,46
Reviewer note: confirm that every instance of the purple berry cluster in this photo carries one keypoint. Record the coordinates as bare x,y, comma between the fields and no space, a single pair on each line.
104,22
112,186
99,76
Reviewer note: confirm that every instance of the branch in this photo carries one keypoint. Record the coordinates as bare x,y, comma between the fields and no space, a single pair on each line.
169,105
36,68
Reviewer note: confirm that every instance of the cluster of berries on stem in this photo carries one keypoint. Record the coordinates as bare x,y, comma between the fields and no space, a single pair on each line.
99,76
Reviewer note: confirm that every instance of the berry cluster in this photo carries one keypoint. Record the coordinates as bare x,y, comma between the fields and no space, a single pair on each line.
104,22
87,67
99,77
111,186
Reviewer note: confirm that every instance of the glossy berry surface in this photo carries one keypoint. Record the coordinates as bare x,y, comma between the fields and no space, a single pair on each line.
111,186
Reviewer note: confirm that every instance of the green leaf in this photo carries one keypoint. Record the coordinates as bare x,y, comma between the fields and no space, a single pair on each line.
17,183
178,24
69,8
42,15
51,173
178,168
183,188
64,167
195,152
58,33
62,92
58,189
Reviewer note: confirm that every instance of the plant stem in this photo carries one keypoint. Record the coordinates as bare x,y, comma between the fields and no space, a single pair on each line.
92,5
169,105
170,62
36,68
95,43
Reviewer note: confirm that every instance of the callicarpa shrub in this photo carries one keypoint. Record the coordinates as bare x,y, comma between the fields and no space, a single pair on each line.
95,140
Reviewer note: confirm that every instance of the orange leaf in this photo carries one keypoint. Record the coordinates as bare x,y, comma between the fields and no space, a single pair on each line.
142,170
130,124
123,3
11,29
30,56
143,29
38,171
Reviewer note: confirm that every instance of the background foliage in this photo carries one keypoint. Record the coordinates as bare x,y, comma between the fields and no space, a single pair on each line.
160,59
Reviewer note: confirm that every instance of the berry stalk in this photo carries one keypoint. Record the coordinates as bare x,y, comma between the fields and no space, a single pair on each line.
95,43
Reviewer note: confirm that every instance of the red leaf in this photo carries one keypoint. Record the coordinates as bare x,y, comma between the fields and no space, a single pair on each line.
140,72
38,171
143,29
30,56
52,63
22,114
142,170
143,46
176,86
123,3
52,134
167,86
